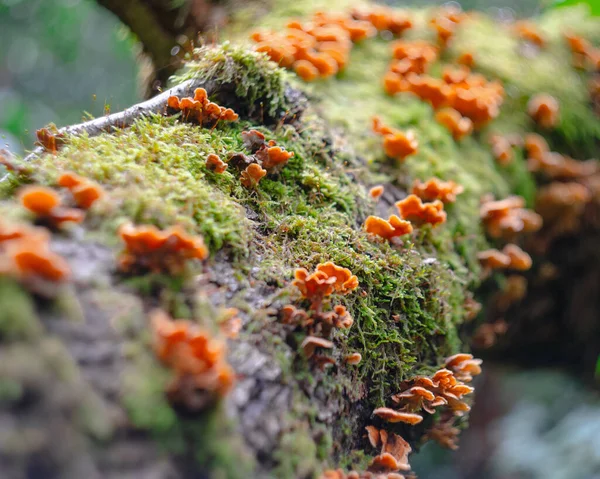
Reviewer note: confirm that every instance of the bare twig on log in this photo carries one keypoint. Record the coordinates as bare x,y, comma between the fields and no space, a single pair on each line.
125,118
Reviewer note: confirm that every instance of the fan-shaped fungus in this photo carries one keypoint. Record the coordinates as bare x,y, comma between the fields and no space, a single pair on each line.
436,189
198,360
536,146
46,205
327,279
311,343
529,32
544,110
148,248
214,163
388,229
467,59
508,217
85,192
29,258
457,124
501,149
353,359
273,158
252,175
414,210
50,138
399,145
391,415
254,140
376,192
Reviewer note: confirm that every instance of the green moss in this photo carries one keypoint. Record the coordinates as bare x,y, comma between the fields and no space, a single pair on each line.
256,81
154,173
18,318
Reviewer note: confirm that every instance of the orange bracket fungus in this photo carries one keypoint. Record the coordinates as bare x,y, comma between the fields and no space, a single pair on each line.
456,124
511,257
311,343
544,110
148,248
467,59
444,433
214,163
376,192
391,415
315,49
201,371
397,145
85,192
45,203
327,279
200,109
26,256
388,229
529,32
353,359
384,18
418,213
267,155
501,149
505,218
252,175
436,189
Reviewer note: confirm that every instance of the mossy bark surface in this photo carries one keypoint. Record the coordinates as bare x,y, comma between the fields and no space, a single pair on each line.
79,364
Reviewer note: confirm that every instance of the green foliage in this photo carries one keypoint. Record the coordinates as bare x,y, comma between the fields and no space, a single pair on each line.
594,5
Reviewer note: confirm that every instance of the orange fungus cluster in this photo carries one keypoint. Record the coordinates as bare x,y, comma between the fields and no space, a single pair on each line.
26,256
397,144
148,248
200,109
197,359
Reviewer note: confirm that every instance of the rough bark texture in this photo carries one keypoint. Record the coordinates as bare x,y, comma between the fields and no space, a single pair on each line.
78,362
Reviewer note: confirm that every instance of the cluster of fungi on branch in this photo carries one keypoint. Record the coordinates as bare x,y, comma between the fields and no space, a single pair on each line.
200,109
443,392
321,317
26,256
25,252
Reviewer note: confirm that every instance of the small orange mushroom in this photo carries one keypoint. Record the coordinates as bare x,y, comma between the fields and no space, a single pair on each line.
544,110
353,359
147,247
273,158
306,70
414,210
252,175
30,257
392,228
457,124
529,32
501,149
436,189
196,357
400,145
493,259
536,146
311,343
376,192
46,205
393,416
85,192
214,163
467,59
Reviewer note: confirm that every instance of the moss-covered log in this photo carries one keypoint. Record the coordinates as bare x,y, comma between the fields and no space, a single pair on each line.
79,361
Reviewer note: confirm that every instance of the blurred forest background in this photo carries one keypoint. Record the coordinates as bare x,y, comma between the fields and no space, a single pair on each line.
64,59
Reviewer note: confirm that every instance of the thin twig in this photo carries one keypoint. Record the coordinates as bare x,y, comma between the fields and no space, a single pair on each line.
125,118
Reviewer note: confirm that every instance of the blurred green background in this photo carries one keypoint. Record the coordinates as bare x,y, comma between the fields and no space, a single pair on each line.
58,60
62,58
